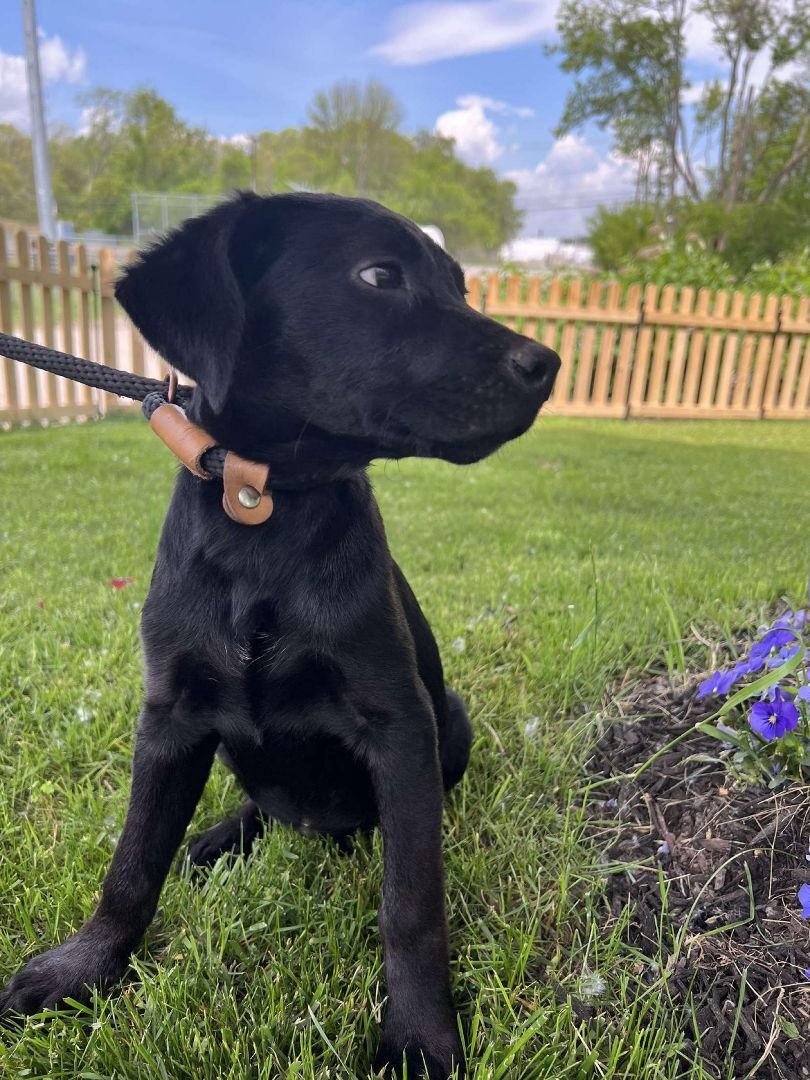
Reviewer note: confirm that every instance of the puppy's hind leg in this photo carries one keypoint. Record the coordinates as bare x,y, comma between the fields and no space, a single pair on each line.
234,836
455,740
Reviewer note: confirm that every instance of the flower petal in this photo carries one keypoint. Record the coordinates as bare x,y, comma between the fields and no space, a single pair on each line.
761,719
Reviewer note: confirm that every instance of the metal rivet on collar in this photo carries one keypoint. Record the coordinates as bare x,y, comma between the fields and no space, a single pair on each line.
249,497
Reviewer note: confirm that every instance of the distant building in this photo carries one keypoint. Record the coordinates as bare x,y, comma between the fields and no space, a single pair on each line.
547,253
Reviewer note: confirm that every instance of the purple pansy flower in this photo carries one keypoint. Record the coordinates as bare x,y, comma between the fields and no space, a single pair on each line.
804,900
803,693
741,668
720,682
771,719
774,639
792,619
787,652
717,683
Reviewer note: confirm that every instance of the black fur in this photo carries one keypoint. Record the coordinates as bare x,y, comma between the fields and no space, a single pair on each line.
296,648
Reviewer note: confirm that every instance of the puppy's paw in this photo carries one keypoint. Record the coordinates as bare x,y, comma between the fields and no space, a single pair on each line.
207,849
68,971
436,1058
229,838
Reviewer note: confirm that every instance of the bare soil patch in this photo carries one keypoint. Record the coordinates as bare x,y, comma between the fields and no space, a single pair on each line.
710,870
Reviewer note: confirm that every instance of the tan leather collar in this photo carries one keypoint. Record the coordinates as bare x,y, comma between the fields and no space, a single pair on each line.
245,497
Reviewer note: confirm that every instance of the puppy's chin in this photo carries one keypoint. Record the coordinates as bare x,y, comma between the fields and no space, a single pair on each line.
464,451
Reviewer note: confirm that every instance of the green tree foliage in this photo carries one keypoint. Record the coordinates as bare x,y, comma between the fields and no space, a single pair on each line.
735,170
616,236
788,276
351,144
17,200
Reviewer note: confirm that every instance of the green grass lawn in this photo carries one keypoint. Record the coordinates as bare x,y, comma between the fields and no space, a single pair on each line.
578,557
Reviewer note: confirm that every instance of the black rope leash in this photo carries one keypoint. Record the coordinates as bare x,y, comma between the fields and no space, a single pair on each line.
151,392
114,381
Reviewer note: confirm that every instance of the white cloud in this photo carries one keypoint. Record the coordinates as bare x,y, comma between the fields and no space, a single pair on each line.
241,140
467,100
700,44
561,191
424,32
474,133
57,64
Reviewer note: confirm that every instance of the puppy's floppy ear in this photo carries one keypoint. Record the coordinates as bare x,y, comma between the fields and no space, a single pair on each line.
184,296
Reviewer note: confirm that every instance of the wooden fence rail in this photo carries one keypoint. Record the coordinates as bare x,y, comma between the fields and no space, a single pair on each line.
638,351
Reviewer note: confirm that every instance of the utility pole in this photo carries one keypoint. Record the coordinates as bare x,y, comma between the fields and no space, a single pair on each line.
39,135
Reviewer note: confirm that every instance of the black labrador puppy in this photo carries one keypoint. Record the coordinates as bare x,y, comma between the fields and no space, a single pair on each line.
323,332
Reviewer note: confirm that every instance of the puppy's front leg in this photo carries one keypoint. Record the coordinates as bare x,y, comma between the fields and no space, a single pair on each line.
420,1021
166,786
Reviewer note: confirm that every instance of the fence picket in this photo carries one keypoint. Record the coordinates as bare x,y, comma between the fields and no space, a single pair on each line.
680,341
661,350
697,342
587,344
51,402
9,414
607,346
708,385
790,382
730,350
26,306
568,340
109,337
66,314
641,360
532,301
802,400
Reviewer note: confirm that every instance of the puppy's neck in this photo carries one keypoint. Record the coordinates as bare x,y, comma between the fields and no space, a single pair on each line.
300,455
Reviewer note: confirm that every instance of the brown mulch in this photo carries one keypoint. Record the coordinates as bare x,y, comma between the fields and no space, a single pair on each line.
729,854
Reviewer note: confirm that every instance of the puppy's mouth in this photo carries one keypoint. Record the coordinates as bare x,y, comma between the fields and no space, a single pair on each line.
464,451
445,435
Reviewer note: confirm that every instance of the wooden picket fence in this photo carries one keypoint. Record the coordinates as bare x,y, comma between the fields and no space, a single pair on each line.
62,296
634,352
663,353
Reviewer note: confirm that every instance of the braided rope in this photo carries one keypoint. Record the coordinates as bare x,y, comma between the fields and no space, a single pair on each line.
114,381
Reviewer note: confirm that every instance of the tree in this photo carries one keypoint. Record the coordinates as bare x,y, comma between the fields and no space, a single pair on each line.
746,142
17,200
353,133
137,142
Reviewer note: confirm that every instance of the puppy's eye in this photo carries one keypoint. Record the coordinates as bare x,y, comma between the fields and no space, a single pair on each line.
382,277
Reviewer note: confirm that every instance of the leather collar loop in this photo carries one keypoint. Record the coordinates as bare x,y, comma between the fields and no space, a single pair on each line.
245,497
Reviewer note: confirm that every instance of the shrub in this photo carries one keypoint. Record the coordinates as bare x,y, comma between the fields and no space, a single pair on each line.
790,275
689,263
616,236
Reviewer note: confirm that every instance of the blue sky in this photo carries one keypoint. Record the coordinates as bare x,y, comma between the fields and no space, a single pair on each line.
474,69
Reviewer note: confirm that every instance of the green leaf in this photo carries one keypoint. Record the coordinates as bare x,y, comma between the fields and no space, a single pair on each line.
789,1027
723,736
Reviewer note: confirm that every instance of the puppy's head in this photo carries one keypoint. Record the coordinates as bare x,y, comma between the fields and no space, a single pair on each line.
304,315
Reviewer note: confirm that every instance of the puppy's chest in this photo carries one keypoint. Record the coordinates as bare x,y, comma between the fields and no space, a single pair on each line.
292,684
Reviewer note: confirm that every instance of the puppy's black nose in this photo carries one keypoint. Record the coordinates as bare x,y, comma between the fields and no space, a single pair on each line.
534,365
